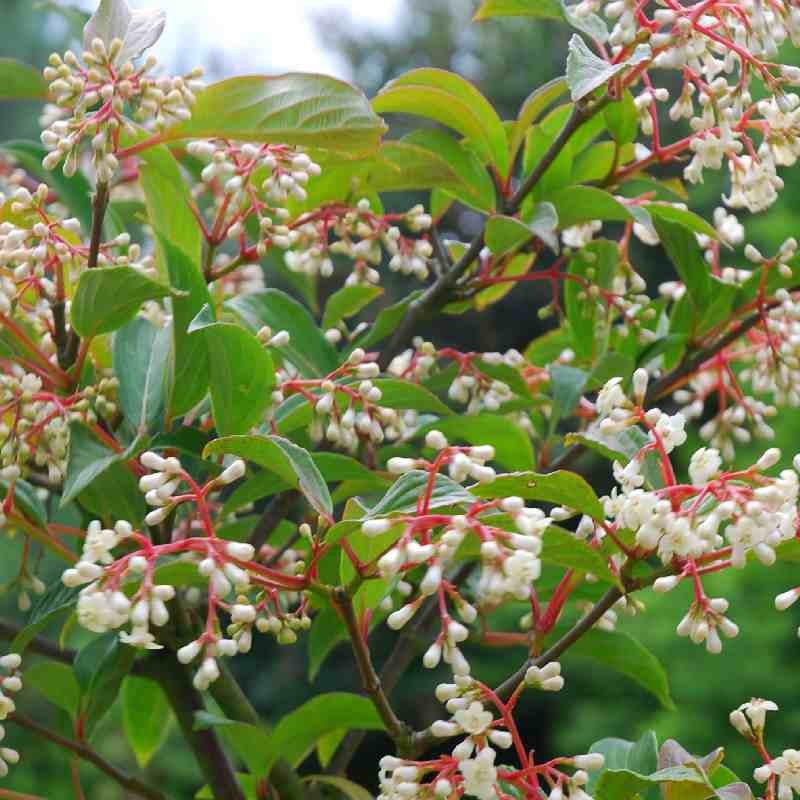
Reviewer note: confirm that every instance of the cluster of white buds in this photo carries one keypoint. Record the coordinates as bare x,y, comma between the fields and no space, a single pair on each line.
36,436
362,236
98,91
702,621
10,683
346,415
37,243
547,678
470,769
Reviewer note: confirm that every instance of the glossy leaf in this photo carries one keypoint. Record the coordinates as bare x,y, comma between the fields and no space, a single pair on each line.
560,488
542,9
449,99
622,118
107,298
512,445
146,716
403,495
297,109
297,733
308,349
292,463
241,376
533,107
56,682
401,394
587,72
55,602
624,654
562,547
20,81
347,302
141,356
684,252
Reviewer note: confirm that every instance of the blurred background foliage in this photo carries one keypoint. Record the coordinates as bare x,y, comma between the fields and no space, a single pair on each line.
506,60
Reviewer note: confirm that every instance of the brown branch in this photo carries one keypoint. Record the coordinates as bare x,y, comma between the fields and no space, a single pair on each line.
83,751
275,512
69,343
439,292
395,727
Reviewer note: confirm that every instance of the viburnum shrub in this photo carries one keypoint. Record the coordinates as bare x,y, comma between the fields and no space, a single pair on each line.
212,459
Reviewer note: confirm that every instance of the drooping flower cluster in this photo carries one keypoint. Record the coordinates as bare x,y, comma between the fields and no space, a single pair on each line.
103,95
484,725
717,520
124,590
10,683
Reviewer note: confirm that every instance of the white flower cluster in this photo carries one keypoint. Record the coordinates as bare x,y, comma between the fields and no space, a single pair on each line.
362,236
719,52
509,557
36,436
718,517
349,413
472,386
10,683
470,769
749,720
106,601
96,94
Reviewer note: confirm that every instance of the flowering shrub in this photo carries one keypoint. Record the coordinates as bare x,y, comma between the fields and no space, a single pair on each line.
210,458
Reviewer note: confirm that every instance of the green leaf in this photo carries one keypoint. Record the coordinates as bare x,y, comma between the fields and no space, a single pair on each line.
308,349
251,743
20,81
88,459
541,9
622,118
403,495
518,265
560,488
576,204
250,785
683,217
327,631
587,72
563,548
292,463
470,182
141,356
685,253
100,667
624,654
296,109
512,445
296,735
506,234
386,322
596,265
146,716
452,101
624,784
107,298
538,100
640,756
56,601
346,787
57,683
241,376
568,385
347,302
404,395
191,363
74,191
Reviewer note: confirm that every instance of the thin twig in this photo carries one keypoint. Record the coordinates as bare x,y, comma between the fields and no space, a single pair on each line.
438,293
395,727
70,342
86,753
275,512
